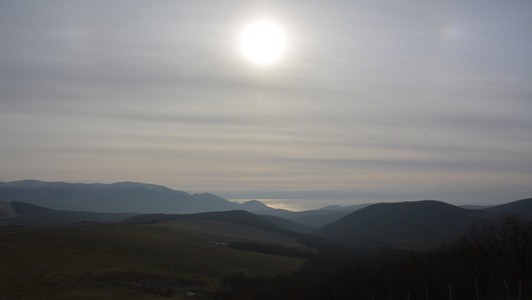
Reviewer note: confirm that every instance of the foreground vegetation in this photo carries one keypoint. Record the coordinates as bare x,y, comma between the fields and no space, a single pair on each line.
234,256
132,261
492,261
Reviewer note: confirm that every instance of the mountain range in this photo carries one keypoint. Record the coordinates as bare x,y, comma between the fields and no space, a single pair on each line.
122,197
142,198
402,225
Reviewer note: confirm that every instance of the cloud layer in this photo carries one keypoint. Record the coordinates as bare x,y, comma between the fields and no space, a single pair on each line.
374,101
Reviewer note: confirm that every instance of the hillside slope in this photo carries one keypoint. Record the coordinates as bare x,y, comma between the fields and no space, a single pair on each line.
132,261
25,214
520,207
240,217
399,225
236,216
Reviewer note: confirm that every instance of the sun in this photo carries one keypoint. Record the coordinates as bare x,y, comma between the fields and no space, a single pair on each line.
263,42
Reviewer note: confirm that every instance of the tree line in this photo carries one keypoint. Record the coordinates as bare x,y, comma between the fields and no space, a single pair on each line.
492,261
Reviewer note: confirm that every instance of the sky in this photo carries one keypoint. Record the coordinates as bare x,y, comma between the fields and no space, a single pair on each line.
372,101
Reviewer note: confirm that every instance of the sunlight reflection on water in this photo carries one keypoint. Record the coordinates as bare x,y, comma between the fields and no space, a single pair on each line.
297,204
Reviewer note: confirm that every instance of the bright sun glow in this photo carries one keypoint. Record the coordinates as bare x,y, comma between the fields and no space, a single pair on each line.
263,42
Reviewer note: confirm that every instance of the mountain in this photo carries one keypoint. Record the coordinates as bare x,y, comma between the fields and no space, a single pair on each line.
400,225
142,198
122,197
35,184
254,205
520,207
25,214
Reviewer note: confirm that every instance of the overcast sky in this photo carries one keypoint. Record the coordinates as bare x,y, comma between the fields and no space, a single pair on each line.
372,101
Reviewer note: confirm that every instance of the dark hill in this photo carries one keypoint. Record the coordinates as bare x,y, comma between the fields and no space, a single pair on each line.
236,216
25,214
399,225
520,207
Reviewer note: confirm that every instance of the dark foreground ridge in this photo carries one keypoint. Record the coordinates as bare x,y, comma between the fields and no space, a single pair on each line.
489,262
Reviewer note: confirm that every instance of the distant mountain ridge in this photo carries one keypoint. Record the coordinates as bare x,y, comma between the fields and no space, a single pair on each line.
142,198
35,184
397,225
121,197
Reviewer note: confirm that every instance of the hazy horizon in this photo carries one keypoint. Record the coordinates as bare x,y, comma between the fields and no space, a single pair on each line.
370,102
302,204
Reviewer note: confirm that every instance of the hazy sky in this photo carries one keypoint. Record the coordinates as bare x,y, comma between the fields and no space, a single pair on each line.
373,100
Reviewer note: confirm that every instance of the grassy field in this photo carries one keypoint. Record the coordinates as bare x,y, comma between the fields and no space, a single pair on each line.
125,261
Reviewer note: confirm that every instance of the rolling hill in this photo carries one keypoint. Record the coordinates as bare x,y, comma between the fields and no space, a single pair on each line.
167,260
236,216
399,225
241,217
521,207
25,214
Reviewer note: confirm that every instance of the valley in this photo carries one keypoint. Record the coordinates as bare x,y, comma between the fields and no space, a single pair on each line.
235,252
